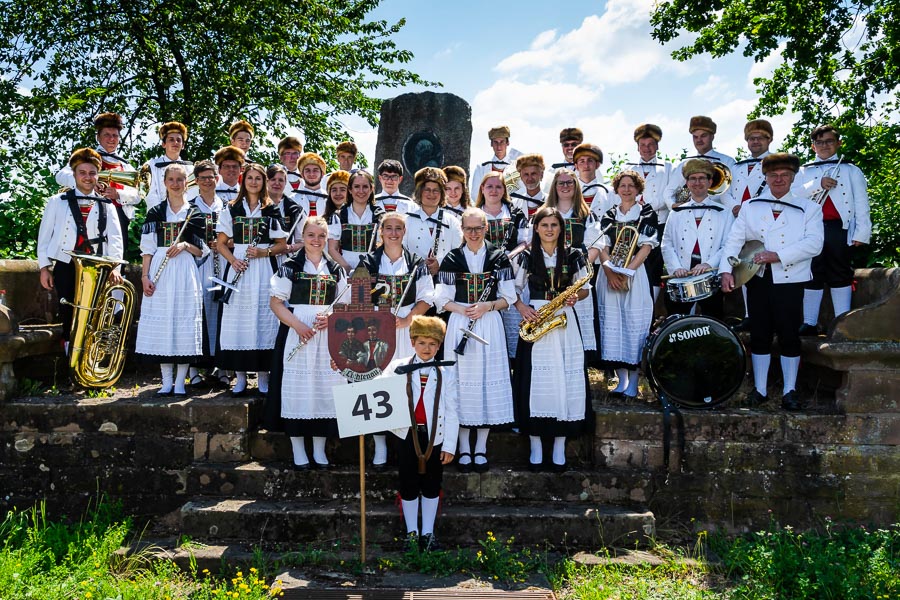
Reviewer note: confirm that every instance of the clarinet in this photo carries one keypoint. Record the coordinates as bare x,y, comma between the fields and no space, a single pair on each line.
437,232
162,266
226,295
485,294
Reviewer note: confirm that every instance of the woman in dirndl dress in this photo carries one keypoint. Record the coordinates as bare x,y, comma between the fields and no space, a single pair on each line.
247,327
170,330
393,265
624,299
210,205
353,229
485,394
292,214
550,377
565,196
507,228
300,400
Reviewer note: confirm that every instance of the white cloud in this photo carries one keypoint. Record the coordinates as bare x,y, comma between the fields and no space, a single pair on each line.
446,52
613,48
540,100
714,88
766,67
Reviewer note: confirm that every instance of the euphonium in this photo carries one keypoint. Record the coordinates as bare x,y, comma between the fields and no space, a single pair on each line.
623,250
721,181
511,179
547,319
137,179
99,330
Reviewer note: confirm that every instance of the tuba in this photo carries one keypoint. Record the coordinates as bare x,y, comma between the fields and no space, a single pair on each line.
101,318
137,179
547,319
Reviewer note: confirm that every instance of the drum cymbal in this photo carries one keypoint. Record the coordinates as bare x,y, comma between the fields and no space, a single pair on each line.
742,265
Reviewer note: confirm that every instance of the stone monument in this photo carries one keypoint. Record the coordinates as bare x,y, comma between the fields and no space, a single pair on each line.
424,129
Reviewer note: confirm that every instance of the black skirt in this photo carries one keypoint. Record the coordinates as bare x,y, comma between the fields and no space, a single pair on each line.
543,426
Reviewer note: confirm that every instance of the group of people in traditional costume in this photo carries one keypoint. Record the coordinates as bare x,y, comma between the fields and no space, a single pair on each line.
486,254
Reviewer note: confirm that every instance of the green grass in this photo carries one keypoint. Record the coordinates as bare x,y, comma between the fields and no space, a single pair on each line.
79,560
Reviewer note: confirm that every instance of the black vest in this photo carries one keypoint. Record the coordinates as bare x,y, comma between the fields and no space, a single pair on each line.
415,267
358,238
167,231
247,229
318,290
469,286
539,275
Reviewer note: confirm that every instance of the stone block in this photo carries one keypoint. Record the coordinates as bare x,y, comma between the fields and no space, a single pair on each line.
170,452
424,129
870,391
228,447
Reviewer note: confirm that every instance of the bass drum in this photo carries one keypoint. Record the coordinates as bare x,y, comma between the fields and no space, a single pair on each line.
694,361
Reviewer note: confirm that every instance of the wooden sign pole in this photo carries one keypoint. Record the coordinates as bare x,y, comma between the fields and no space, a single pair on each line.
362,499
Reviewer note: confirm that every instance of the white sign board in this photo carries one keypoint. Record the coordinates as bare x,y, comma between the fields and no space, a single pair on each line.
371,406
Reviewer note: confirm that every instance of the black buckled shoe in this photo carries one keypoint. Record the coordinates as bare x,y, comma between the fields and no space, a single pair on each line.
481,467
464,467
428,543
808,330
757,399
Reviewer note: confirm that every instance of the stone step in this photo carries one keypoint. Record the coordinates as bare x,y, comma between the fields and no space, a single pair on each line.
278,481
458,524
505,448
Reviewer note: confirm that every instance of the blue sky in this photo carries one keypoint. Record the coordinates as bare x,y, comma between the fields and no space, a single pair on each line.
593,65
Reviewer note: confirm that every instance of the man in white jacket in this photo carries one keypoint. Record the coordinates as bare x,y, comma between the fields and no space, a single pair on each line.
839,187
790,228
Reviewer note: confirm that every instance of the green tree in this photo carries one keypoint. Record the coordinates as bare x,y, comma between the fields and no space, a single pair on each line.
837,62
205,63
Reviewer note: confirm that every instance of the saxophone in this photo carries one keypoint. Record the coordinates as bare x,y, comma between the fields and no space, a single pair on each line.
547,319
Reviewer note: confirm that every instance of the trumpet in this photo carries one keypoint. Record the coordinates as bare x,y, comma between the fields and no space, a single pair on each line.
833,172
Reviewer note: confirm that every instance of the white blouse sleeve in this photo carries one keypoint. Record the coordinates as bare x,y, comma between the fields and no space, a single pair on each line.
225,224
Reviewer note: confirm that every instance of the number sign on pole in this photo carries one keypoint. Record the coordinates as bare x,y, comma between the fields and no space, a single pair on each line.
371,406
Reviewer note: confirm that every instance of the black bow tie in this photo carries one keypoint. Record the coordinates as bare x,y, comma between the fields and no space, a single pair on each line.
561,165
115,157
409,368
164,164
494,162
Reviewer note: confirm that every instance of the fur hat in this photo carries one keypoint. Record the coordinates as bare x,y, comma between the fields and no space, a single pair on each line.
228,153
241,125
311,158
529,160
587,149
290,143
427,174
647,130
780,160
697,165
759,126
346,146
85,155
338,177
108,119
701,122
455,173
172,127
571,133
430,327
501,131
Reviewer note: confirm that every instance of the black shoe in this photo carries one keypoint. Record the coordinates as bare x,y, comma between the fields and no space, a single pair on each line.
380,468
615,396
757,399
535,467
791,401
744,325
180,394
320,466
239,394
481,467
809,330
197,381
297,467
428,543
464,467
560,468
162,394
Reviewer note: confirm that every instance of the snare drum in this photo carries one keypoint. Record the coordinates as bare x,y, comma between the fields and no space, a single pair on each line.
693,287
695,361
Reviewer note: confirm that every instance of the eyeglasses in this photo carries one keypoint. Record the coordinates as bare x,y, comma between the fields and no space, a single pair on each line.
825,142
386,177
478,229
569,183
569,144
206,178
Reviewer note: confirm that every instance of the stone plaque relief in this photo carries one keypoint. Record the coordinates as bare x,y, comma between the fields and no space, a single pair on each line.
422,149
